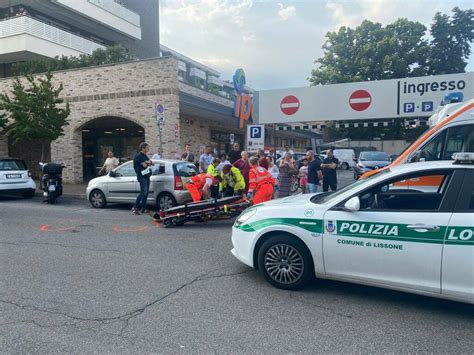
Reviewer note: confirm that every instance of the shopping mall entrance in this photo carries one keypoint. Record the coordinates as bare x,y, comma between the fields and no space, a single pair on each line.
119,135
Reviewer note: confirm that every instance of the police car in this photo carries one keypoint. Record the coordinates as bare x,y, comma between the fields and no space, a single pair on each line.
375,232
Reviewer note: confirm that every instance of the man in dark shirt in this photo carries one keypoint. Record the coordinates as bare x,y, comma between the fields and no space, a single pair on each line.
187,154
235,153
329,167
314,172
141,165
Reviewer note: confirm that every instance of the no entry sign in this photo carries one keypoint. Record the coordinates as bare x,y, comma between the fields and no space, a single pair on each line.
360,100
289,105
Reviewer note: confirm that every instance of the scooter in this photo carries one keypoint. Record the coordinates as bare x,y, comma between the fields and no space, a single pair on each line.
51,181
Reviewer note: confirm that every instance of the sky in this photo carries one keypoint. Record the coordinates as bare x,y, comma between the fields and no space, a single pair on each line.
276,41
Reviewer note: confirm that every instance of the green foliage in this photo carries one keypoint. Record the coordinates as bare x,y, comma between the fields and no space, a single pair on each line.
451,44
114,54
35,111
213,89
398,50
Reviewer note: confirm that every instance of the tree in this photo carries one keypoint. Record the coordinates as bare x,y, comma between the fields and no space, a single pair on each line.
34,112
372,52
398,50
450,46
113,54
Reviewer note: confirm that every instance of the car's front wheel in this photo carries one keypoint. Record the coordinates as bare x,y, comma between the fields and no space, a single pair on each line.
165,200
286,262
97,199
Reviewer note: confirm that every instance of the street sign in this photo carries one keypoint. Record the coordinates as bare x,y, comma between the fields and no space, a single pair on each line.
289,105
160,112
360,100
255,138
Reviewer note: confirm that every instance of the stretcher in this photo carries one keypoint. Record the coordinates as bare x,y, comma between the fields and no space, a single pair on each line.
202,211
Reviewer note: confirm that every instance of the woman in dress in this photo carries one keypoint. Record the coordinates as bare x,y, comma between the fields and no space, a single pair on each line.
287,170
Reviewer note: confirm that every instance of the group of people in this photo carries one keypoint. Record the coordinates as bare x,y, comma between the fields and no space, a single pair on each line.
237,174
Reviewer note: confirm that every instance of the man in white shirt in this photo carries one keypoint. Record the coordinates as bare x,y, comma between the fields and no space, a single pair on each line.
157,155
205,159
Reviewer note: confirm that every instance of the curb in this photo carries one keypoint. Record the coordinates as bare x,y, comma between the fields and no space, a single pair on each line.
70,195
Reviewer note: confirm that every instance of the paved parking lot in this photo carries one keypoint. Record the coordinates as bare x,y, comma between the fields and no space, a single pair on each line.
80,280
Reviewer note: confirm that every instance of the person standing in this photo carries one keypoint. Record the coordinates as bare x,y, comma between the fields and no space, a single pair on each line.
110,163
157,155
303,175
142,166
187,154
260,182
314,172
235,153
287,170
205,159
244,166
329,168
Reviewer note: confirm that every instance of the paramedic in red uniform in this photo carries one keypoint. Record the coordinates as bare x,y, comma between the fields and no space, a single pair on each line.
260,183
199,186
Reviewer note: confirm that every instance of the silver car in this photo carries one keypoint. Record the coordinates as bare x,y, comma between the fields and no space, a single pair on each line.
167,185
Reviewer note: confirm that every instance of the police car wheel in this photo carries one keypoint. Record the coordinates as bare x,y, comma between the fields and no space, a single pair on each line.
285,262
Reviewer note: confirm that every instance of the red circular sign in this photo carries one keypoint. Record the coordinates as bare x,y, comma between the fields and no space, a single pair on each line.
290,105
360,100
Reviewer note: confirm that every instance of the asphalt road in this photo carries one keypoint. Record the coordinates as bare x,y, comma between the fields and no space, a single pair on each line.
75,279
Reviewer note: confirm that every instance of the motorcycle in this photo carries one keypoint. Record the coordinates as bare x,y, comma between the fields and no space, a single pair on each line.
51,181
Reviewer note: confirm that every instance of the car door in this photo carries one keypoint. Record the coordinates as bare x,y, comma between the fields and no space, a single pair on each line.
395,238
123,184
458,255
157,180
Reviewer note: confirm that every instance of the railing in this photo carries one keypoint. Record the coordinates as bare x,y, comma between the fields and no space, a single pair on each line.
119,10
25,24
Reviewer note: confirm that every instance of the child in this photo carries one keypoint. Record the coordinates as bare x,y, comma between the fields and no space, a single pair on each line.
303,175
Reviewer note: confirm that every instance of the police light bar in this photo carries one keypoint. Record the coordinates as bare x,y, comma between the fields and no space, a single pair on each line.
463,158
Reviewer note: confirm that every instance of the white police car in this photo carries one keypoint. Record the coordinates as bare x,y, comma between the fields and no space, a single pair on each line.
381,231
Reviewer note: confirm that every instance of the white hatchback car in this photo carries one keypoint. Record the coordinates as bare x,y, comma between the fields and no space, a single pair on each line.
15,178
379,231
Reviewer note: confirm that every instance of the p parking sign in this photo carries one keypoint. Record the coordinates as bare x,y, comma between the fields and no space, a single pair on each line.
255,138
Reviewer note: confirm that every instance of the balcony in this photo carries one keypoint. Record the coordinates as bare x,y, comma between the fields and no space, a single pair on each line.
118,10
109,13
24,37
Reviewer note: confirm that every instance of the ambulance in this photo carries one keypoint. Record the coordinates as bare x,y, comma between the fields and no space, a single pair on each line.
451,130
371,232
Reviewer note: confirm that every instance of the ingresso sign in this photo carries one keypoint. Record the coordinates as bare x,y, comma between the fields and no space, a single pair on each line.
410,97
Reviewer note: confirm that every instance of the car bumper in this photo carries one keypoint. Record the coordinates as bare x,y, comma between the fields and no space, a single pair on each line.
18,187
243,243
182,197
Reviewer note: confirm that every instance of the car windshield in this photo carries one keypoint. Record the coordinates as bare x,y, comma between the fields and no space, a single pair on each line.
7,165
374,156
328,196
185,169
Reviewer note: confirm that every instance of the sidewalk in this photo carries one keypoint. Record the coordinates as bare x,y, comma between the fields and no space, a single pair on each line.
77,191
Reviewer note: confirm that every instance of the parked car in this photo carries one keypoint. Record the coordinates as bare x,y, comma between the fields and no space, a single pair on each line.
167,185
369,161
15,178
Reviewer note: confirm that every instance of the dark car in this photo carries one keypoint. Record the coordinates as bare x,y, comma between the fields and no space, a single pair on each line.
370,160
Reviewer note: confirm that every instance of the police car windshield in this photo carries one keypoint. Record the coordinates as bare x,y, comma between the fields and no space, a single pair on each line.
328,196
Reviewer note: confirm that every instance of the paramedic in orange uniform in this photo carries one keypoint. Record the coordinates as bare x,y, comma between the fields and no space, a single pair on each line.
199,186
260,183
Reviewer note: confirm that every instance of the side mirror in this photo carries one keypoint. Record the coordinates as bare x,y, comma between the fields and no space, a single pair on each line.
353,204
112,174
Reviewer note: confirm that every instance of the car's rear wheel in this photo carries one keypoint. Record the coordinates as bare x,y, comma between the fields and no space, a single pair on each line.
29,194
286,262
97,199
165,200
345,166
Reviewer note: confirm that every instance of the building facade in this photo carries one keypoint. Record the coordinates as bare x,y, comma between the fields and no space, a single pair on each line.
31,29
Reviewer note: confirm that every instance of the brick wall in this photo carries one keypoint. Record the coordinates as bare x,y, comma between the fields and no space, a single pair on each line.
128,90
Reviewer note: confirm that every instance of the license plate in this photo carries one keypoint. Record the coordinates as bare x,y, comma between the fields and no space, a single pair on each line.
51,188
13,176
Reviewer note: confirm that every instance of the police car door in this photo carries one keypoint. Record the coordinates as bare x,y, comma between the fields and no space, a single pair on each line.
395,237
458,255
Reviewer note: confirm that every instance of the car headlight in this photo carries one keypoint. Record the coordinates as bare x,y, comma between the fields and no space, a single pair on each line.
244,217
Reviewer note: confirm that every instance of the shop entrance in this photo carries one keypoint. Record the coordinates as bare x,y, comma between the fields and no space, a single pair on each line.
119,135
221,141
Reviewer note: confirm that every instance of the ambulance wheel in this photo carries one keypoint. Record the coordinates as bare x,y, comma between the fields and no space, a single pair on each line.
286,262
